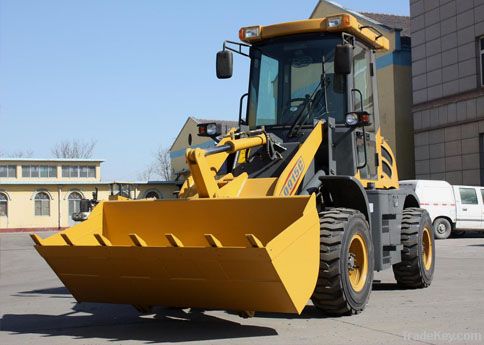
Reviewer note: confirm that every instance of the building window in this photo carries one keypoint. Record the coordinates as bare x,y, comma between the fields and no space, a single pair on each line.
39,171
481,50
83,171
74,200
152,195
76,171
3,205
42,204
8,171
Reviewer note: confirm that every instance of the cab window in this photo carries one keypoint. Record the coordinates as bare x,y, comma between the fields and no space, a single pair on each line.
362,80
468,196
369,171
267,96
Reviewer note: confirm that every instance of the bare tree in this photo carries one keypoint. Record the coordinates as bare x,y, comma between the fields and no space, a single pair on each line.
17,154
148,173
163,164
74,149
160,168
21,154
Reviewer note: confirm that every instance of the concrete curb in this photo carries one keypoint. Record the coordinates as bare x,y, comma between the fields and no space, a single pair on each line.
15,230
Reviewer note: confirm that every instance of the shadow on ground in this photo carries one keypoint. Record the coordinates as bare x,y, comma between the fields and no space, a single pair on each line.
309,312
466,234
117,323
387,287
57,292
61,290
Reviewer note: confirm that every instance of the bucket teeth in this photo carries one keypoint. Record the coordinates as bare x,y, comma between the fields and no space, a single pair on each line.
36,239
103,241
213,241
174,241
137,241
67,239
254,241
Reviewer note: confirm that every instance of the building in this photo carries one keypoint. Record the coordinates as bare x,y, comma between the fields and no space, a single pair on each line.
44,193
448,93
188,137
394,80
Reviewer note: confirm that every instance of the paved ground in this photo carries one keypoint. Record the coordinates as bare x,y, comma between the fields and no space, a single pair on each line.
36,308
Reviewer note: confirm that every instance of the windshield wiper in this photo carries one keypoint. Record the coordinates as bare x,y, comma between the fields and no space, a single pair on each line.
310,100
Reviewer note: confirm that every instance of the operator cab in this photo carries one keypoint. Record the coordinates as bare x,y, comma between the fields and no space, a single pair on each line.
309,71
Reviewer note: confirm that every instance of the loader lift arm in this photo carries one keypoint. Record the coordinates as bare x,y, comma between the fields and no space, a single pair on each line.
204,165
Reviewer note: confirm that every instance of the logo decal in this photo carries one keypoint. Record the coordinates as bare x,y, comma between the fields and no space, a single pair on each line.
293,178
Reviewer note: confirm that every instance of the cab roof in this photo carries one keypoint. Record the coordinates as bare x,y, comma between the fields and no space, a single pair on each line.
337,23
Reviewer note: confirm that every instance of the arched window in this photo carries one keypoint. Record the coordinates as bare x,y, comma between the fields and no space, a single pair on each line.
74,200
152,195
3,205
42,204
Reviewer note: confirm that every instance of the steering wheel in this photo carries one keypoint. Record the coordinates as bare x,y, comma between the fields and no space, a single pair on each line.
290,112
297,99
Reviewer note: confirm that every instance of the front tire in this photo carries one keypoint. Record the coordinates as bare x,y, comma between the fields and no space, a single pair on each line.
442,228
346,266
416,269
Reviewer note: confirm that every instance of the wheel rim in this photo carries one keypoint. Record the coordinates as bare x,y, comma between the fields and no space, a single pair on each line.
427,249
441,228
357,262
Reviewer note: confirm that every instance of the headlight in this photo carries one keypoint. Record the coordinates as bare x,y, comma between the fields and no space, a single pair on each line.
334,22
249,33
338,22
351,119
211,129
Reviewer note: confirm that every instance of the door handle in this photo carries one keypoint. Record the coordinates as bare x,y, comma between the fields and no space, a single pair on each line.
464,209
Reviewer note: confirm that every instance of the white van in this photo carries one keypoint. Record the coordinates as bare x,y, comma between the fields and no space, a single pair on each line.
451,208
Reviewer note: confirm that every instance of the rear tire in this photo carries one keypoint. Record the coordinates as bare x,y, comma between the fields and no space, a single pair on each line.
442,228
346,266
416,269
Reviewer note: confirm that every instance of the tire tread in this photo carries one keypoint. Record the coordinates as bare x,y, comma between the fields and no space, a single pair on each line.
329,293
408,272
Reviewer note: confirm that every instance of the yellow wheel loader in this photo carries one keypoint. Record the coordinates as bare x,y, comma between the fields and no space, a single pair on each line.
299,203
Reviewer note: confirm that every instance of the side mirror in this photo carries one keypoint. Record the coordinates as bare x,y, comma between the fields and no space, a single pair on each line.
343,58
224,64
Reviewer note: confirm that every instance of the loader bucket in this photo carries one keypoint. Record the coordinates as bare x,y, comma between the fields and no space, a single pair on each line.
255,254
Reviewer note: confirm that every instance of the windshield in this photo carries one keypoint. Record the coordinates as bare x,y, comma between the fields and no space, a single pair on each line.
287,82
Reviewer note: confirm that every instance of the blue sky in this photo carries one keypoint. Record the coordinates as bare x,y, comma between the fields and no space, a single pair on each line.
125,73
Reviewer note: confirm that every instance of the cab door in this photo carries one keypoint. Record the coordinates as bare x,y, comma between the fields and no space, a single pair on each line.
362,97
469,208
366,155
